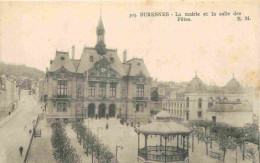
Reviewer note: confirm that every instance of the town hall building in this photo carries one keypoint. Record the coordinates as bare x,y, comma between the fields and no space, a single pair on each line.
97,84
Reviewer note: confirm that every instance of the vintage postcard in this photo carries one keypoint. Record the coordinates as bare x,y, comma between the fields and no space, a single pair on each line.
129,81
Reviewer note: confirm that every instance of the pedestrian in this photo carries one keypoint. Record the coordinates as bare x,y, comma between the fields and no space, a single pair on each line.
21,151
107,126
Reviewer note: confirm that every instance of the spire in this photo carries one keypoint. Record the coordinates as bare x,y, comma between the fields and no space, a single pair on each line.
233,75
100,46
196,74
100,27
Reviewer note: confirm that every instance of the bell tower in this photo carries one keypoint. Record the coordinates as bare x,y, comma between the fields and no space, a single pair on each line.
100,46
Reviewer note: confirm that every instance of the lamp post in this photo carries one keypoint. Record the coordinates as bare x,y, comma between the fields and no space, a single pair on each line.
244,147
97,140
117,146
135,117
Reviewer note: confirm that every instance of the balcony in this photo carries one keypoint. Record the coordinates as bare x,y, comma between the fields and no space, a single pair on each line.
140,98
62,96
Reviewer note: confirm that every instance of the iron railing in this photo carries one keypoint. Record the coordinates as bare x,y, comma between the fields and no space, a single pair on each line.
33,134
157,153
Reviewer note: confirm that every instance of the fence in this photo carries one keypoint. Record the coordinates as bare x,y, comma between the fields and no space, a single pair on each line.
29,147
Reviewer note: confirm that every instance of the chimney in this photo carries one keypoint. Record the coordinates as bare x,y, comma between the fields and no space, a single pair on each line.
124,56
73,51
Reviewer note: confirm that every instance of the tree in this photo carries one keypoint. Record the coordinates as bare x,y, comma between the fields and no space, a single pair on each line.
63,151
225,143
154,95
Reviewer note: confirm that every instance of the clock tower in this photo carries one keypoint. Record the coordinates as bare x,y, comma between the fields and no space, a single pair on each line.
100,46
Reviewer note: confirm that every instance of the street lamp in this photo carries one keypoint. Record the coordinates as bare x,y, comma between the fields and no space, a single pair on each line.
97,140
117,146
135,117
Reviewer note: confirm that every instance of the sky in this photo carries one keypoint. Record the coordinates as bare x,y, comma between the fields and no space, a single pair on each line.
215,47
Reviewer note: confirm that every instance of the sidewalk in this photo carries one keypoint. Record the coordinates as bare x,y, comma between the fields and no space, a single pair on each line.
4,120
41,149
74,142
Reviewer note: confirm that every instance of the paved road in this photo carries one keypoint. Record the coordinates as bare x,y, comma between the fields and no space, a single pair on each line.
13,132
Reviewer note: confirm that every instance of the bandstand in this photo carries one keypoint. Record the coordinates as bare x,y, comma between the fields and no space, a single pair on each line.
167,130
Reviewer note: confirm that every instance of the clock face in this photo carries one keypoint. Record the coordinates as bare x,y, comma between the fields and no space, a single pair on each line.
103,70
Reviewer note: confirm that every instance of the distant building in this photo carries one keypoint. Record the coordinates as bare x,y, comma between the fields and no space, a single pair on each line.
8,96
98,84
193,101
233,113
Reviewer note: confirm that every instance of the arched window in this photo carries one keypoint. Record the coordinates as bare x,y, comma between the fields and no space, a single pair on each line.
187,102
200,103
218,100
225,100
210,102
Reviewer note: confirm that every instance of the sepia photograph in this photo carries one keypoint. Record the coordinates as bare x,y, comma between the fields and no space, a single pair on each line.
129,81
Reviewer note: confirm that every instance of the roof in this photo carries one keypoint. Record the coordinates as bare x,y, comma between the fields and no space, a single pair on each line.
62,60
196,84
75,63
85,63
163,128
163,114
137,67
234,86
230,107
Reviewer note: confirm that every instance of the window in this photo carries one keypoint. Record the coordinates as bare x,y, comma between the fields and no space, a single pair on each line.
199,114
113,89
62,58
200,103
45,98
137,107
62,87
79,91
225,100
210,102
111,59
91,90
140,90
214,119
102,89
91,58
61,107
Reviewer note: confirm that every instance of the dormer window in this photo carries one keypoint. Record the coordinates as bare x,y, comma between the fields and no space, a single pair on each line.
138,63
62,58
112,59
91,58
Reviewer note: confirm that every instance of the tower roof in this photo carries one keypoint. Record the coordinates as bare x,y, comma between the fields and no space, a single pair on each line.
233,85
196,84
100,27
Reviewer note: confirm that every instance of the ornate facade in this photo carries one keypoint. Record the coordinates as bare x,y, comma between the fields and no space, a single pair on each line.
98,84
197,101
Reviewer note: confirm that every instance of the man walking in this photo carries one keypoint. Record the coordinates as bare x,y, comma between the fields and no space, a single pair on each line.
21,151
